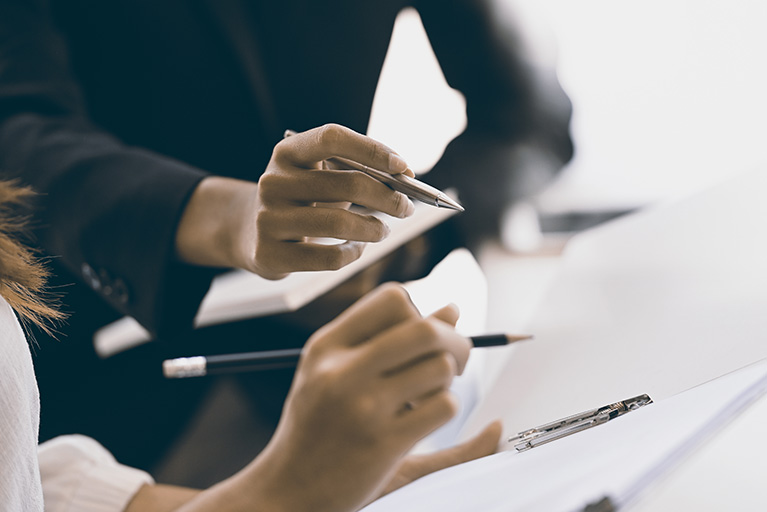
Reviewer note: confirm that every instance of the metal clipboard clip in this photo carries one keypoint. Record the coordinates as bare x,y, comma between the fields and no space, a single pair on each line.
543,434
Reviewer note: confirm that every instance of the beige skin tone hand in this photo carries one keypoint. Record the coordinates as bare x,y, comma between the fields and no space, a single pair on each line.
264,227
369,386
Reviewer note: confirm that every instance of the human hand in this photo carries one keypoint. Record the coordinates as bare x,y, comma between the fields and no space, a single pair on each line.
264,227
414,467
300,197
369,385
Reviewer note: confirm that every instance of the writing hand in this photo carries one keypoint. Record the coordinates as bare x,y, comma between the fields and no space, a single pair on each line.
369,385
414,467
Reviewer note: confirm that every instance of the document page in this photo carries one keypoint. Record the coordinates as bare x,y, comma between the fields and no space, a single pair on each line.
656,302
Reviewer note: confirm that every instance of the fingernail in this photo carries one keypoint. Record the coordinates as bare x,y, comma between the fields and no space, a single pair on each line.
386,232
396,163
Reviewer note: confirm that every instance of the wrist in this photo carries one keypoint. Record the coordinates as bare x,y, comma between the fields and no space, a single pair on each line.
210,232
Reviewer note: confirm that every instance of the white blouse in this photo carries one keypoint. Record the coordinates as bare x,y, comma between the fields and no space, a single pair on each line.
66,474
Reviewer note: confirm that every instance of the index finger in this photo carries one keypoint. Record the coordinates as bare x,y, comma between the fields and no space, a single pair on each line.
384,307
409,343
308,148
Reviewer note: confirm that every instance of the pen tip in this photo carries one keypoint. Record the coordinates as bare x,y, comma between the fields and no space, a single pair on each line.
445,202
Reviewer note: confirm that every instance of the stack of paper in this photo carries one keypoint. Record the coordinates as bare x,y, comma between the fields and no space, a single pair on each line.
667,302
656,303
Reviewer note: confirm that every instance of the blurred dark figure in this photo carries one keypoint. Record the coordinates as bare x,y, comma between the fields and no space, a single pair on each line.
115,111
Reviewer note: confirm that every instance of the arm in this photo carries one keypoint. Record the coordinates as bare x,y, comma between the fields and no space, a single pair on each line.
106,209
138,227
517,135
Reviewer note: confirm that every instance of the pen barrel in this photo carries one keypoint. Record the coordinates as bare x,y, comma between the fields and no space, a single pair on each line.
410,187
252,361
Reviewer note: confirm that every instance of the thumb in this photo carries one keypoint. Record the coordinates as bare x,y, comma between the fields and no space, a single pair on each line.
415,466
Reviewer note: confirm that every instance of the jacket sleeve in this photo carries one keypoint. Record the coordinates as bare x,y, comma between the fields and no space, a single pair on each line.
517,135
107,211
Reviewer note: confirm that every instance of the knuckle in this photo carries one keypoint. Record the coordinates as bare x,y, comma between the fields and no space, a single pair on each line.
330,135
326,373
365,406
271,267
263,253
376,152
281,151
334,224
446,367
270,185
398,203
266,181
319,220
394,294
333,259
380,229
354,184
312,351
265,222
428,332
401,204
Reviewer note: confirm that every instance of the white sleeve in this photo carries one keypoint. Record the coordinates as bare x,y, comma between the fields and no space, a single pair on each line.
80,475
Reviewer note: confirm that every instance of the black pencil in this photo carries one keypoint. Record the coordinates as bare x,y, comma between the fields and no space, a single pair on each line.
199,366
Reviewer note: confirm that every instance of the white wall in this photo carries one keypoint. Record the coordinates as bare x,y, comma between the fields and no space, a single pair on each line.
669,95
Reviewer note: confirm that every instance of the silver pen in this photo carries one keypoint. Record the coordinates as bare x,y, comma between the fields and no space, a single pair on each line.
411,187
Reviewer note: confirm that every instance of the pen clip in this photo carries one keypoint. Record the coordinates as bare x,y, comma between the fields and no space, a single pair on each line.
569,425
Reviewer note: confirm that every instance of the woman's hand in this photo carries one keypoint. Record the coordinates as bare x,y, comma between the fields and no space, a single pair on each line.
414,467
369,386
265,228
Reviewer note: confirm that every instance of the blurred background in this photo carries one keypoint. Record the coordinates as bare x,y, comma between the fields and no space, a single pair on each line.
668,97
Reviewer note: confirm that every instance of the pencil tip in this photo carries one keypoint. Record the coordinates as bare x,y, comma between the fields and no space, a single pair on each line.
513,338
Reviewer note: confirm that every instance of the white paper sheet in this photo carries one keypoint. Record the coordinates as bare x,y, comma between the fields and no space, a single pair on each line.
654,303
615,459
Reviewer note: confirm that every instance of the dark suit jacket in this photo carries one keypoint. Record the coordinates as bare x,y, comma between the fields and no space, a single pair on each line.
115,110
